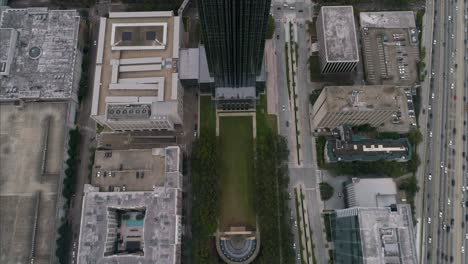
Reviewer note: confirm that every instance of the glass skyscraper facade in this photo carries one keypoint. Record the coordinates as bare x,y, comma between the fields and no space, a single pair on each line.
233,33
347,239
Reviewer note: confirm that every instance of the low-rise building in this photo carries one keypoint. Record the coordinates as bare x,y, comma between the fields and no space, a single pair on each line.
39,55
137,84
374,235
370,192
357,105
133,214
336,32
368,150
345,146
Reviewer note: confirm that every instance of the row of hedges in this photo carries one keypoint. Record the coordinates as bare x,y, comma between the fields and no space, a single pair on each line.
205,204
271,188
69,184
84,87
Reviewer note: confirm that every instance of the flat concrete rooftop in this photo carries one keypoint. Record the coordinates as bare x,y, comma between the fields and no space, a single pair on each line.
371,192
161,227
137,170
39,58
364,98
137,60
387,236
391,19
339,33
32,139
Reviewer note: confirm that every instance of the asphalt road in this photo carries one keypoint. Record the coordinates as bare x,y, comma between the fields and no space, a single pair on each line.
88,135
305,170
443,216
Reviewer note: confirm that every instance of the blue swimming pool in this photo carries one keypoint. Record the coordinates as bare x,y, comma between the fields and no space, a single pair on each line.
134,222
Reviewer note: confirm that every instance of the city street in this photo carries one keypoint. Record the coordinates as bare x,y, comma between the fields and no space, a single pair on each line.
303,170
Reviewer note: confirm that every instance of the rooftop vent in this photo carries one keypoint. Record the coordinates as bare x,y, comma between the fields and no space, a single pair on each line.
35,53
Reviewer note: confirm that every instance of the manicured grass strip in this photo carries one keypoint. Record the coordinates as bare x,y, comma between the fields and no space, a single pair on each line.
236,171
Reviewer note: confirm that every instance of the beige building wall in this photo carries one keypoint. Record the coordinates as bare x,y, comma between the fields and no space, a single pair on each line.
333,107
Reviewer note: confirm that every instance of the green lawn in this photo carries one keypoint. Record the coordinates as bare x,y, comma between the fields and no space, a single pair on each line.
236,172
207,115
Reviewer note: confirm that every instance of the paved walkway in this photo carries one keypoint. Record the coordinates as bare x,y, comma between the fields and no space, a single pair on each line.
271,84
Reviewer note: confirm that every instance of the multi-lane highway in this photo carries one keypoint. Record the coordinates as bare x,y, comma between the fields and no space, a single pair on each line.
444,167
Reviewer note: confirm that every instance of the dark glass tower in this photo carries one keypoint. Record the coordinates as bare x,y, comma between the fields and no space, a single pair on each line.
234,38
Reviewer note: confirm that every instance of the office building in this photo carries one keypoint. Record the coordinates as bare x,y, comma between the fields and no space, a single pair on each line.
136,85
374,235
347,147
39,55
123,222
336,33
358,105
234,38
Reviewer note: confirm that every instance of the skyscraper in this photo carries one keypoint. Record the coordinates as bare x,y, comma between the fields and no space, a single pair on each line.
234,38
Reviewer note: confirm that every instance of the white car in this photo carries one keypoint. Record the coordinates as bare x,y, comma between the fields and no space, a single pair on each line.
448,201
445,171
430,134
430,176
442,164
283,108
451,70
453,36
462,249
429,240
430,107
450,143
452,86
440,215
433,95
463,189
428,220
449,18
466,236
435,42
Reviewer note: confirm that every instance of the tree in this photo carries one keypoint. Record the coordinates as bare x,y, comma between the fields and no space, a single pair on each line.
415,137
270,27
314,96
409,185
414,162
326,191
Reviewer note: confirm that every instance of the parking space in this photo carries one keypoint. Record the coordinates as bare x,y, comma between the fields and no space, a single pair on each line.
390,57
